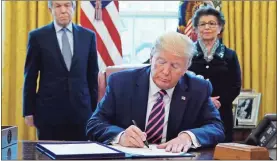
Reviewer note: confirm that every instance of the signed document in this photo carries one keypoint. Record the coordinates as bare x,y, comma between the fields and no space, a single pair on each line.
152,151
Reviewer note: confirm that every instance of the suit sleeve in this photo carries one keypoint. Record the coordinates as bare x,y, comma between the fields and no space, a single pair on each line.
92,74
210,129
235,80
31,70
99,126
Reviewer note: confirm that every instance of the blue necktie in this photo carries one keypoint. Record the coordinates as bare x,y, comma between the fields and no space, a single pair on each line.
66,51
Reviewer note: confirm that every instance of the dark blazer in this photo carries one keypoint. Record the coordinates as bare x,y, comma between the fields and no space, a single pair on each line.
126,99
63,96
225,75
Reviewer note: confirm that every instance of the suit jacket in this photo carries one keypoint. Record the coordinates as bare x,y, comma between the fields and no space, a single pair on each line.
223,72
63,96
126,99
225,75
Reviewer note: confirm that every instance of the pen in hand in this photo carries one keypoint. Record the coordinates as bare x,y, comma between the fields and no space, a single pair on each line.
145,142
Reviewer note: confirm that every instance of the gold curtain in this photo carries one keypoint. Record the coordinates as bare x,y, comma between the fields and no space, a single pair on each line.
250,30
29,15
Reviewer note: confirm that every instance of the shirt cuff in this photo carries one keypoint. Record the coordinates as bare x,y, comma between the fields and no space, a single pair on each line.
195,143
117,138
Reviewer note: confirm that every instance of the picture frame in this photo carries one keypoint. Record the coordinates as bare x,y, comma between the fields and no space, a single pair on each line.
246,109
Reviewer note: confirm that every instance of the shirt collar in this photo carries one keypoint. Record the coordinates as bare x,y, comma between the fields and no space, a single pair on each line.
154,89
58,27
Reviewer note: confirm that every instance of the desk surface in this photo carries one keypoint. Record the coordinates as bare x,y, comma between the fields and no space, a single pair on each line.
26,150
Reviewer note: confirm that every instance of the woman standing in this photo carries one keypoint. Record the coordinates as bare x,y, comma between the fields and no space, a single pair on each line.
216,63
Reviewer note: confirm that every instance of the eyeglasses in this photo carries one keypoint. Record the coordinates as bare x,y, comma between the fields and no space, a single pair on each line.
211,24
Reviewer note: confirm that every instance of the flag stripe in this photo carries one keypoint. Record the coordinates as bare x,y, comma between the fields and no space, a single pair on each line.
100,27
112,30
100,45
107,30
116,5
114,14
188,28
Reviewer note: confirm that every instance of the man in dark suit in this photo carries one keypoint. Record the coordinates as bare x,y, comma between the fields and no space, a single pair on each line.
64,55
171,108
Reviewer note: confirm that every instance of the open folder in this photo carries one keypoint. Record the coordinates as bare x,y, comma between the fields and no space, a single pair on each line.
94,150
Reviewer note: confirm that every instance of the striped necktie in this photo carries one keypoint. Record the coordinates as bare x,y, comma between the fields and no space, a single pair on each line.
154,127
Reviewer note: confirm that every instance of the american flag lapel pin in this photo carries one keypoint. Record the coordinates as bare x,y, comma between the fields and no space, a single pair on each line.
183,98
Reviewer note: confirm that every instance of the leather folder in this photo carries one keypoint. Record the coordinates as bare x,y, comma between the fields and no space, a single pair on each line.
82,150
96,151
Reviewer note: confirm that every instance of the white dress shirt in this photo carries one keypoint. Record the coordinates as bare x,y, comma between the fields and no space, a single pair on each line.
152,98
69,33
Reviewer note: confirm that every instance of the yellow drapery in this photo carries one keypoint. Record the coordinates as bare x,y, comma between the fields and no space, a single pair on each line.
250,30
29,15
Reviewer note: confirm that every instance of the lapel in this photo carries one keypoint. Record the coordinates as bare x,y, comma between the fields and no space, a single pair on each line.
178,106
140,98
54,39
76,46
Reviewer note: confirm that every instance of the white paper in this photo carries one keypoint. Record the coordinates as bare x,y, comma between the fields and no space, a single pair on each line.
152,151
72,149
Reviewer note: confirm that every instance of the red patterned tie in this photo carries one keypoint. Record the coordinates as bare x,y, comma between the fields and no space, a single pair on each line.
154,127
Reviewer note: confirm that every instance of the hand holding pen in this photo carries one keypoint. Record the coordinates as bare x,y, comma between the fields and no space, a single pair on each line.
133,137
145,142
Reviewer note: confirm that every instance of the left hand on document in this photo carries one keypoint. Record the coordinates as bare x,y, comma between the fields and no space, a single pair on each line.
179,144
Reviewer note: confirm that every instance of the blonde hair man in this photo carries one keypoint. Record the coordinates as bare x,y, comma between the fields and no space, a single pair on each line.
171,108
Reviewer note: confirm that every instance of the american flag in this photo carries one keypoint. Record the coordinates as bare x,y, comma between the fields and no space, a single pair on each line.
107,30
188,28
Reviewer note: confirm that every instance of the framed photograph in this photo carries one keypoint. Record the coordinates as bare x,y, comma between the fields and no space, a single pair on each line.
246,109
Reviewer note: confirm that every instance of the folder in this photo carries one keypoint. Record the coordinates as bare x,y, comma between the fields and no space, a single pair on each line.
79,150
95,150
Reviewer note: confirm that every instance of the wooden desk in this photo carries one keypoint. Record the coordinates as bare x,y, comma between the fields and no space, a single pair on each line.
26,150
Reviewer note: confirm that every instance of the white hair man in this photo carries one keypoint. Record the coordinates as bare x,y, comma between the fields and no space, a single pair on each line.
159,104
64,55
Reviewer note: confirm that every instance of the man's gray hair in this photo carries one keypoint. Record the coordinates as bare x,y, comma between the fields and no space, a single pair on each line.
50,4
176,44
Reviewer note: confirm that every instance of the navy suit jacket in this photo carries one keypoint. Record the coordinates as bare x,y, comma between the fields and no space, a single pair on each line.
126,99
63,96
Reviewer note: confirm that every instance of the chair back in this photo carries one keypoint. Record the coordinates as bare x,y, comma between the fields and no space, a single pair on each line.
103,76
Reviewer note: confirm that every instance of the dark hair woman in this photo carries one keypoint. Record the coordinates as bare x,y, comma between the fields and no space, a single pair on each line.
216,63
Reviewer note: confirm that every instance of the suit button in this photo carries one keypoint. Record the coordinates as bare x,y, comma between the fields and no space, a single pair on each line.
207,67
